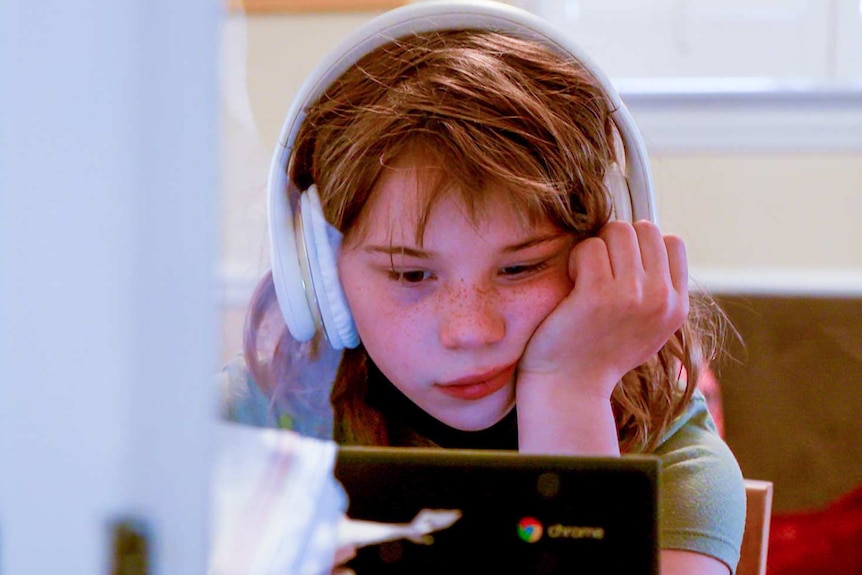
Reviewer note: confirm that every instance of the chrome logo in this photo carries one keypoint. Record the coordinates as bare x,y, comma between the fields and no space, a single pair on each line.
529,529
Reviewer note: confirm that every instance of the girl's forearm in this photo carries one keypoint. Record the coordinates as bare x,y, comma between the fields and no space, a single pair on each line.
565,424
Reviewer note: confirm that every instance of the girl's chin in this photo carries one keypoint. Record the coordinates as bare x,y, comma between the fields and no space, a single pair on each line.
473,417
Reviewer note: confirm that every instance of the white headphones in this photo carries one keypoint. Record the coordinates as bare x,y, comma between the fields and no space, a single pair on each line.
304,246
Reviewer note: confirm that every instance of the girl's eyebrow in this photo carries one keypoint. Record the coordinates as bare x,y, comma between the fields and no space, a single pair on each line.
412,252
530,242
391,250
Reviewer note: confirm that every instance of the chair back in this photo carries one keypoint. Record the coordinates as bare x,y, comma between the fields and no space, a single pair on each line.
755,537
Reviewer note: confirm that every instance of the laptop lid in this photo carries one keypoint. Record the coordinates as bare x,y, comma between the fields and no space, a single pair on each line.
520,514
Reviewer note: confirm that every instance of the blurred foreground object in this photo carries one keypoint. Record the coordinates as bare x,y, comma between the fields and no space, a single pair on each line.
276,503
359,533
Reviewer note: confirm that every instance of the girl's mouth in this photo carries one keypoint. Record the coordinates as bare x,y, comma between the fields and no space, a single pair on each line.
477,387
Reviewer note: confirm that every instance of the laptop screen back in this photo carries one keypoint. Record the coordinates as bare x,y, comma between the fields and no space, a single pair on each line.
521,514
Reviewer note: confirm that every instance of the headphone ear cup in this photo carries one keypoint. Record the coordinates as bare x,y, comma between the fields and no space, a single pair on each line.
290,275
322,242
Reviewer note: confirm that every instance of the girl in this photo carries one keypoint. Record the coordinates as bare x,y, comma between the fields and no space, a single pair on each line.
497,304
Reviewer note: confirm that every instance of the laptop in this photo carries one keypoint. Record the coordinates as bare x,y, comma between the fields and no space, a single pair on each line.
518,514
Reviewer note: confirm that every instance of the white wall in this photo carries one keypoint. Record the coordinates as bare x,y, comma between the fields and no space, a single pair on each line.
782,40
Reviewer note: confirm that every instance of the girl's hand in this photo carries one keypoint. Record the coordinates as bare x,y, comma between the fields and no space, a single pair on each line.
342,556
630,295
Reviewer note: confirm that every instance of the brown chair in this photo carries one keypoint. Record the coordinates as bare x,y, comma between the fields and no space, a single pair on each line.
755,537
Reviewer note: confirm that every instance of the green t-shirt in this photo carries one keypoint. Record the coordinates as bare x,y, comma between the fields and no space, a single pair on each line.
702,489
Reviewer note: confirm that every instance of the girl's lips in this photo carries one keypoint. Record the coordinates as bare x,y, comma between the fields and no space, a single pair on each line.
477,387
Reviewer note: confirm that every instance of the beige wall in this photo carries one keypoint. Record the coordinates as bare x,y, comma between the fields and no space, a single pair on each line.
764,209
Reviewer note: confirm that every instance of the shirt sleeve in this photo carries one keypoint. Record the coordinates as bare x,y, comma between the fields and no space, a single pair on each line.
702,489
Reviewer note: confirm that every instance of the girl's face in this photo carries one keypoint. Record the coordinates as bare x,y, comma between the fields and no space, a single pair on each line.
447,322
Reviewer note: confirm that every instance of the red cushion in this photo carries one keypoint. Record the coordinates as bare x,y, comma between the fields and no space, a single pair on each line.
826,541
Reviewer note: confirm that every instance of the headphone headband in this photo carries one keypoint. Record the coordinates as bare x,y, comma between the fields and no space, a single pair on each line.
411,19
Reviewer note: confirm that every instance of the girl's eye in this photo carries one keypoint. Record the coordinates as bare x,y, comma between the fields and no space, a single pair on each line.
410,277
524,269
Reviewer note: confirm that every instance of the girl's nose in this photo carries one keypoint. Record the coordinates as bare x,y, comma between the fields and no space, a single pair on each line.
470,317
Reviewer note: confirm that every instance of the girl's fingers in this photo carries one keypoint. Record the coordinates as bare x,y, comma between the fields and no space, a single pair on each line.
622,245
345,554
589,263
678,263
652,249
631,252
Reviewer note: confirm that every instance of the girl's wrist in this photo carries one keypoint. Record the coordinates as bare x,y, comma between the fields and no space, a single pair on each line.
563,388
574,424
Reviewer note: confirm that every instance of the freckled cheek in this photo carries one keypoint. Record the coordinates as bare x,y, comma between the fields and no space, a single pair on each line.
385,326
391,323
530,305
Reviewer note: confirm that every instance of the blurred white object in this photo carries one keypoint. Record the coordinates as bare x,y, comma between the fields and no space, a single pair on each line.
276,503
358,533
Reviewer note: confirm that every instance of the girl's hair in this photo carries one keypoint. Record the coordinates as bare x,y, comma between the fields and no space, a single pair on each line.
500,117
